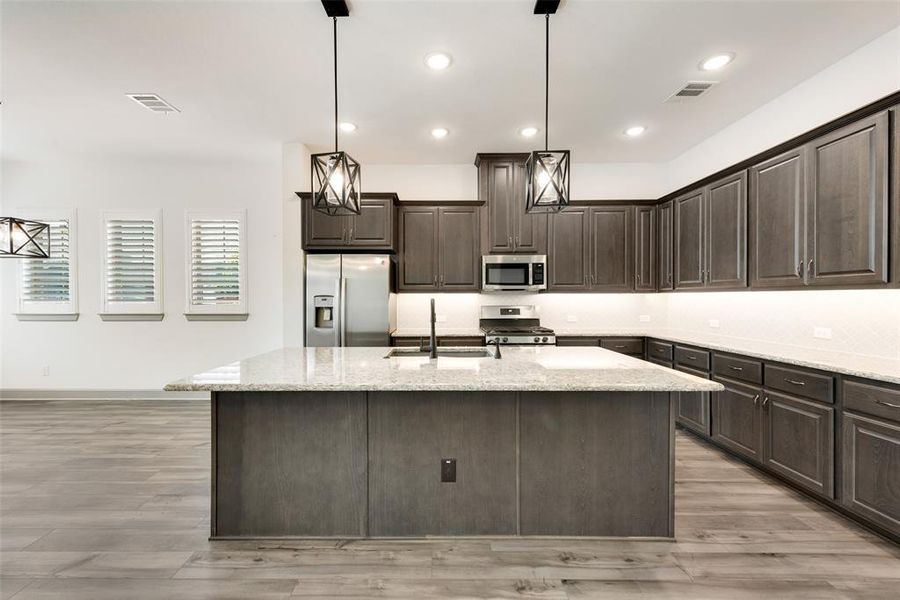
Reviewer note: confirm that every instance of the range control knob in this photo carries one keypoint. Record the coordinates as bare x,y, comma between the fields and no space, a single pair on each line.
505,339
537,339
544,339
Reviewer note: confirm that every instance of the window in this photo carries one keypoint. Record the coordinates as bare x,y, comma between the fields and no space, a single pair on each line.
48,287
216,267
131,277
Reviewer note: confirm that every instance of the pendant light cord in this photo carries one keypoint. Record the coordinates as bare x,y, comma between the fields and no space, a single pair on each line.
547,82
335,87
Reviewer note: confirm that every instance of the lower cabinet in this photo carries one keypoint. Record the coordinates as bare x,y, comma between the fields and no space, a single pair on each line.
799,441
737,420
692,408
870,474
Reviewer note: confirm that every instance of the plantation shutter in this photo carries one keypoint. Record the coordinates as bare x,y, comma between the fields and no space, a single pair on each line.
215,262
47,280
130,260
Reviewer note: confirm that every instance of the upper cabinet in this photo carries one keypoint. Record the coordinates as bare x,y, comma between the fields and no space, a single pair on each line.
645,248
819,213
665,269
710,235
568,250
439,248
895,193
508,228
374,228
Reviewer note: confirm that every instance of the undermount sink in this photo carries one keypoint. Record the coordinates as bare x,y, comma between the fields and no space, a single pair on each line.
442,353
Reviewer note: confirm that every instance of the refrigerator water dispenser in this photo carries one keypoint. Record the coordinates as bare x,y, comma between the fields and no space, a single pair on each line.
324,306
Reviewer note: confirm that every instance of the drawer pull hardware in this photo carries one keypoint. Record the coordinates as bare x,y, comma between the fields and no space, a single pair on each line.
794,381
734,368
619,346
692,357
883,403
766,403
755,400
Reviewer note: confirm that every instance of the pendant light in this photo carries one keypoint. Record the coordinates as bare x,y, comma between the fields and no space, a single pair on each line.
546,171
335,175
20,238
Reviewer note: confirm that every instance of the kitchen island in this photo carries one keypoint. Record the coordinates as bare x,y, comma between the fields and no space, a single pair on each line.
344,442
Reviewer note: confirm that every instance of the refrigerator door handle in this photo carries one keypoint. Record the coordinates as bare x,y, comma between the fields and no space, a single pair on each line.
343,323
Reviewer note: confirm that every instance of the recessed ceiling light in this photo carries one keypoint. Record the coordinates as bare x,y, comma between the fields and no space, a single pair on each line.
438,61
439,133
714,63
528,131
635,130
347,127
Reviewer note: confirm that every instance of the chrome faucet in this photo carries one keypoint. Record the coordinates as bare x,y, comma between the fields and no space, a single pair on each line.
433,339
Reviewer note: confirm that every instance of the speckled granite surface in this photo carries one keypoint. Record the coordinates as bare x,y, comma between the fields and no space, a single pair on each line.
867,367
522,368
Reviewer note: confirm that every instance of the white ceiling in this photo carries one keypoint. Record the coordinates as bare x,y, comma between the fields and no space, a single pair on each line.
248,76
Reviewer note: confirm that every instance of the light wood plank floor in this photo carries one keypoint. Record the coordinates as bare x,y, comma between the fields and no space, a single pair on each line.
109,500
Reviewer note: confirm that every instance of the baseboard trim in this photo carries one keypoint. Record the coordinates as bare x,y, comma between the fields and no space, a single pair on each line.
13,394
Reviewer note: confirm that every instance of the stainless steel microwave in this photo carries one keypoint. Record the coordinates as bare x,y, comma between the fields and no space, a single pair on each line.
513,272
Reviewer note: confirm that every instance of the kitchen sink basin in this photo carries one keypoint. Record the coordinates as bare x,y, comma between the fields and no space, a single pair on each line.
442,353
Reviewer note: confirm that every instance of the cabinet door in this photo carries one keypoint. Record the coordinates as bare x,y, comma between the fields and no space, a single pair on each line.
736,418
666,223
693,407
799,441
501,192
418,248
895,193
777,221
529,229
848,202
568,251
612,264
726,232
372,228
458,248
321,230
689,267
871,469
645,252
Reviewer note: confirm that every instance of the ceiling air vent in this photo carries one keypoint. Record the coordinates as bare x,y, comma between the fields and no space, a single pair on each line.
153,102
691,89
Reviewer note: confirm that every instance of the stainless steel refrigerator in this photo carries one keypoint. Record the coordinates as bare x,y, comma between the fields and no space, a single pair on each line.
349,300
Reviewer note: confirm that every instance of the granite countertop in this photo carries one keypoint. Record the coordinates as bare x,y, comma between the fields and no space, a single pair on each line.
522,368
884,369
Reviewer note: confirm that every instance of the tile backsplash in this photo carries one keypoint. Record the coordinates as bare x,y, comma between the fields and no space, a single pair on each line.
859,322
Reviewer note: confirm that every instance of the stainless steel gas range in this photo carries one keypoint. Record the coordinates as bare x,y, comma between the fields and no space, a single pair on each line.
514,325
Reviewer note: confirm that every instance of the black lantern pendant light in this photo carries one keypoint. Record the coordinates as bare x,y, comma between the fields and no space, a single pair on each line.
20,238
335,175
547,171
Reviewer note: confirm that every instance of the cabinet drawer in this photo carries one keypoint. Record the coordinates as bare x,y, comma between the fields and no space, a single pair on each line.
699,359
659,350
743,369
409,341
461,341
865,397
577,340
624,345
807,384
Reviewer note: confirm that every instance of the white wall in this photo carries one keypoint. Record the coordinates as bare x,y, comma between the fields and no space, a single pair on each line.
92,354
295,173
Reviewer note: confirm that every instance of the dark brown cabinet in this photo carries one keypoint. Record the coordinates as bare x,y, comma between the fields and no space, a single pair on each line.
847,211
895,193
646,239
693,407
710,235
799,441
737,419
611,256
665,268
438,248
870,472
568,251
374,228
508,228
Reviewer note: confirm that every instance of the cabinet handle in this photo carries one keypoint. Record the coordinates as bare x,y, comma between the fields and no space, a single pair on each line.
509,241
435,280
619,346
795,382
442,280
800,269
734,368
517,240
765,403
692,357
809,268
350,235
755,400
883,403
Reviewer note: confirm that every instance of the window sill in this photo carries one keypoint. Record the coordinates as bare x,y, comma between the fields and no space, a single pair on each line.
131,316
216,316
47,316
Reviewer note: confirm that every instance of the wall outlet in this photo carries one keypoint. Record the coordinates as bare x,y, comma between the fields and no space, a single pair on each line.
823,333
644,318
46,371
714,323
571,319
441,318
